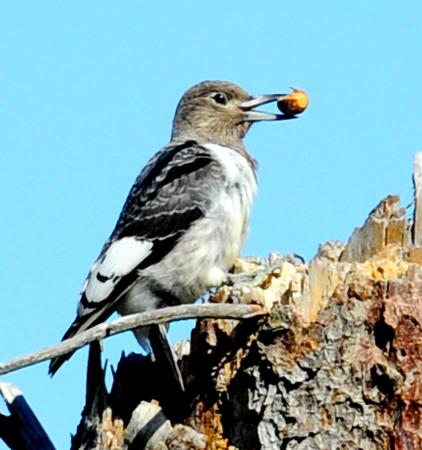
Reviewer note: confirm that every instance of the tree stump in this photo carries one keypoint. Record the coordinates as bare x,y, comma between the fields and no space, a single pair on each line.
336,364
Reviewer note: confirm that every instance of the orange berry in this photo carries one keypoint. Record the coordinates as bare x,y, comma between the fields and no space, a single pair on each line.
294,103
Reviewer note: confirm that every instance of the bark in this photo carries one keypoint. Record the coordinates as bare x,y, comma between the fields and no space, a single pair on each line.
335,364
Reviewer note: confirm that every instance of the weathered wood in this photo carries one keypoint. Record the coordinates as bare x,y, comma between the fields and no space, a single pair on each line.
148,427
130,322
417,183
337,364
386,225
89,431
21,430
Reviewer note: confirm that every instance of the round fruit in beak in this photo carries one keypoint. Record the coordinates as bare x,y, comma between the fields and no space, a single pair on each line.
294,103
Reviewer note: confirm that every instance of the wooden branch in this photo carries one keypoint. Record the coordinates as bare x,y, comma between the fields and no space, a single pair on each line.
104,330
21,430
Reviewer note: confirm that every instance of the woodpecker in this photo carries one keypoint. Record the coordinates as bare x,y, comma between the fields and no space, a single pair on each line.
186,216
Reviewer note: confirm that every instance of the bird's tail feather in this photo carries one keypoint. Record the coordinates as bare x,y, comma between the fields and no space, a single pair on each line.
164,354
57,362
81,323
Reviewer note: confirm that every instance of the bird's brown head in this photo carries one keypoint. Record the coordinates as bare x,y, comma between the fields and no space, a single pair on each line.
219,112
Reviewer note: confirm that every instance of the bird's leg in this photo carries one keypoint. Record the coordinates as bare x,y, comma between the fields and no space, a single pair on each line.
164,354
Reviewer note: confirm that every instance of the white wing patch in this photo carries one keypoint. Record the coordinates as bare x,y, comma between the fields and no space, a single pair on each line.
120,259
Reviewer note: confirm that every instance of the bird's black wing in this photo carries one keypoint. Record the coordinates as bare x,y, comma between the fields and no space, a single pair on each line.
170,194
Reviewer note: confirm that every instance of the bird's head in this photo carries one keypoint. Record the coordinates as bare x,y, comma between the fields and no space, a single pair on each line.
220,112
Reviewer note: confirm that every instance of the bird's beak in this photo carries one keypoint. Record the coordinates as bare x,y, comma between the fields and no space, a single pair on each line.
252,115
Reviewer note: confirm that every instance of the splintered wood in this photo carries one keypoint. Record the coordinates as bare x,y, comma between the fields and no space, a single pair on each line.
337,362
341,350
318,355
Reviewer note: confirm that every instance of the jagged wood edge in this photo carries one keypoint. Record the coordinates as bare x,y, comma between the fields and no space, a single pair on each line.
22,429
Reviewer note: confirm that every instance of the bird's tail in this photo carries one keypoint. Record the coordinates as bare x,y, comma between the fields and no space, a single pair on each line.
164,355
57,362
80,324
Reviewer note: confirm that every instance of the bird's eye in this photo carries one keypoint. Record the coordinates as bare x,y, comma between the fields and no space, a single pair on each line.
220,98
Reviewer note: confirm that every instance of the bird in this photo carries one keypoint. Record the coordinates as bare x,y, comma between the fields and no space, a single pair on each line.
186,216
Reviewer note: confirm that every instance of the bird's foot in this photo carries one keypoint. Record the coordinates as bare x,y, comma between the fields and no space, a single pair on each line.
215,277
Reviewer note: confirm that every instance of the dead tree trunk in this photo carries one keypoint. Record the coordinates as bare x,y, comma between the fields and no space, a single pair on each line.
336,363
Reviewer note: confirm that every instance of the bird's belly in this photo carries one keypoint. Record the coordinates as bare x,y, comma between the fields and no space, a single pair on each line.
230,225
207,250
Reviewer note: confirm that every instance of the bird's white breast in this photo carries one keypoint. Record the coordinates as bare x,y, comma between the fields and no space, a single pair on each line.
209,248
236,196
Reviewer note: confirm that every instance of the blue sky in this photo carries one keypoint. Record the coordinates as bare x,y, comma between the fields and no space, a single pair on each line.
87,95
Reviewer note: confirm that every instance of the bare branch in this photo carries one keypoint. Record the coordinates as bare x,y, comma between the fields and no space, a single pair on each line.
104,330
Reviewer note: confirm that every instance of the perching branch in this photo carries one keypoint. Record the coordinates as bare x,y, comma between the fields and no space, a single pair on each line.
104,330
